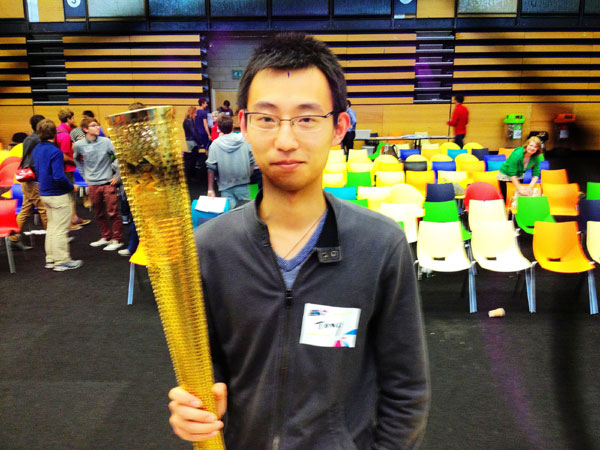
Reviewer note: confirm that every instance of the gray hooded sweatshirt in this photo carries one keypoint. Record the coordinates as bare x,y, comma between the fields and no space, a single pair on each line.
231,157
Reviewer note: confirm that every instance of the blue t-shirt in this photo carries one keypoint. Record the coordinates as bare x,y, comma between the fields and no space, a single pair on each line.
200,116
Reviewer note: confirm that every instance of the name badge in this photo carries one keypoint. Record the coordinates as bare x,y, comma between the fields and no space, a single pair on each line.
329,326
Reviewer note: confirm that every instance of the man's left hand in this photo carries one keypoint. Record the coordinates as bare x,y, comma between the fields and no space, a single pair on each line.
114,181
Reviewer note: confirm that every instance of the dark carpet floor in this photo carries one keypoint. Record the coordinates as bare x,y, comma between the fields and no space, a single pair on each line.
81,370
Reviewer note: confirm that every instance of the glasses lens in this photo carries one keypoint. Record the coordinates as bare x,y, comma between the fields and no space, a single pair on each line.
307,123
264,121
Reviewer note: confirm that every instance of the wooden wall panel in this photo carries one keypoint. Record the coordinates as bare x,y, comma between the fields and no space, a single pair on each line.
486,124
435,9
12,9
51,10
14,119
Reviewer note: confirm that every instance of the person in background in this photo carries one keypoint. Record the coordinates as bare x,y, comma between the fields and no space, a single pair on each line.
459,120
201,121
94,157
226,108
520,161
31,191
190,158
316,336
55,189
348,141
215,132
230,157
63,141
89,114
16,144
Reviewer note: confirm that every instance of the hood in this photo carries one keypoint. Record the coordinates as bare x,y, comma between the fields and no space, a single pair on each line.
231,142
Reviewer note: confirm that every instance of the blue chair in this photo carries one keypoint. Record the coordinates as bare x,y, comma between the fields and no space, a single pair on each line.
199,217
443,165
439,192
480,152
488,158
527,176
589,210
345,193
406,152
79,181
454,152
418,166
493,165
16,192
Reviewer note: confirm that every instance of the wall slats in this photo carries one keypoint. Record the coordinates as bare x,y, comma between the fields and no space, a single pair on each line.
15,84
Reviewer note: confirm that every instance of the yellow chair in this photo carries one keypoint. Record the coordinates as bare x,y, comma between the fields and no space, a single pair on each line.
336,156
4,154
358,155
465,158
440,157
487,177
420,180
472,145
447,176
374,195
335,167
388,178
430,152
418,158
563,198
17,150
471,167
593,240
379,166
402,146
407,213
405,193
359,166
386,159
449,145
334,180
337,147
422,133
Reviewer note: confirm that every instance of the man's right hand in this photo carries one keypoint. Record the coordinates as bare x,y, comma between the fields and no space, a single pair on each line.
192,423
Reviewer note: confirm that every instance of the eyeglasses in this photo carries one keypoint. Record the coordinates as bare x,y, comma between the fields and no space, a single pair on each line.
304,124
93,126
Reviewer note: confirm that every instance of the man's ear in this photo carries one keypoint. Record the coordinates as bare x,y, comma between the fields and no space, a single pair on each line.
242,122
343,123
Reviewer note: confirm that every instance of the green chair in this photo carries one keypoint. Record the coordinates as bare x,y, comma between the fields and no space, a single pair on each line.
531,210
593,191
442,212
362,202
357,179
253,190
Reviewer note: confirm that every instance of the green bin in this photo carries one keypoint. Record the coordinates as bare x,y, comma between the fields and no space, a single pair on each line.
514,125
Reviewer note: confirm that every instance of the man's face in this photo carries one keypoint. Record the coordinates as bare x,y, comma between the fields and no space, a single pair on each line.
71,121
93,129
291,159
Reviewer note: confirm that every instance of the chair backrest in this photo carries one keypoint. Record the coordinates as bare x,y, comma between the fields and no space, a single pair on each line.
493,166
358,179
375,195
556,244
345,193
480,153
531,210
440,241
388,178
335,167
505,151
429,152
416,166
464,158
589,210
443,165
441,157
16,192
404,193
457,177
592,190
487,177
494,238
10,160
481,191
450,146
8,217
416,158
362,202
407,213
7,173
358,155
454,152
387,167
563,198
333,180
363,166
441,192
386,159
406,152
472,145
419,180
593,240
486,211
431,146
494,158
336,156
557,176
440,211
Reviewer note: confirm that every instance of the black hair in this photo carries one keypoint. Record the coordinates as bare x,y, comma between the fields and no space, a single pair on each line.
201,101
18,137
459,98
226,103
88,113
291,51
34,120
225,124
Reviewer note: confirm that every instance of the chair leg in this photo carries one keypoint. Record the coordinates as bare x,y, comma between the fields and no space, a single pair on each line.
131,283
472,291
592,289
530,281
9,253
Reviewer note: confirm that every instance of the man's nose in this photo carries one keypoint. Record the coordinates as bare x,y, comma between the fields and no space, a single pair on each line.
286,137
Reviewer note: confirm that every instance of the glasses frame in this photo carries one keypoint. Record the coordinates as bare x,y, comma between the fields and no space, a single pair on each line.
290,120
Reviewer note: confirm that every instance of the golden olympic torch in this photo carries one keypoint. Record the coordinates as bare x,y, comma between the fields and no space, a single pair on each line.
151,167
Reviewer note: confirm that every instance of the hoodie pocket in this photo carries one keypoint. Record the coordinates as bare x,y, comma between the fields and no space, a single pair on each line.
342,440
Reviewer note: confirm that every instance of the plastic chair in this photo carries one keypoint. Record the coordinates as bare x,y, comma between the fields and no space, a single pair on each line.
480,153
563,198
359,166
3,155
443,165
471,145
589,210
405,153
362,202
16,192
531,210
487,177
592,191
336,156
415,166
138,258
441,192
495,248
388,178
345,193
358,155
335,167
495,158
379,166
405,213
357,179
386,159
440,157
199,217
483,211
431,146
429,152
444,212
253,188
454,152
505,151
8,225
420,179
558,176
593,240
440,248
450,146
527,176
10,160
404,193
459,178
333,180
480,191
557,248
7,174
375,195
465,158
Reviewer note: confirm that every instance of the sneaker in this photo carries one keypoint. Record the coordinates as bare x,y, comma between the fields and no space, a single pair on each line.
113,246
69,265
99,243
81,222
124,252
20,245
75,227
49,265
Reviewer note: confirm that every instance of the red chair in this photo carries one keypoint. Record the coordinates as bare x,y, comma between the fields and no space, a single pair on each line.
8,224
7,175
10,160
480,191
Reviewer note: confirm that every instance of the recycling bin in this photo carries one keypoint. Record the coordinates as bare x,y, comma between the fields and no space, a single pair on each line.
514,125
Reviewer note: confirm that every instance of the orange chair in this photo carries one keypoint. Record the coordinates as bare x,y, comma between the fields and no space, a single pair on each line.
8,225
558,176
557,248
419,180
563,198
505,151
487,177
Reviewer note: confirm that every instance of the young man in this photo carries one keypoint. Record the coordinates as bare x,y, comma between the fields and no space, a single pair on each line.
55,189
202,124
94,156
317,338
226,108
63,141
459,120
231,157
348,142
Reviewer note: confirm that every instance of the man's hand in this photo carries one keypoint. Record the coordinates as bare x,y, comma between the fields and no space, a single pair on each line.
210,193
192,423
114,181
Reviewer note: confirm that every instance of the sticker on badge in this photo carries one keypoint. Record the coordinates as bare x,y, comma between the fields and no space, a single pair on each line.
329,326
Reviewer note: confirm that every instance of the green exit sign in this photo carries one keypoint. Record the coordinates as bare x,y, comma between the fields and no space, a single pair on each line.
236,74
